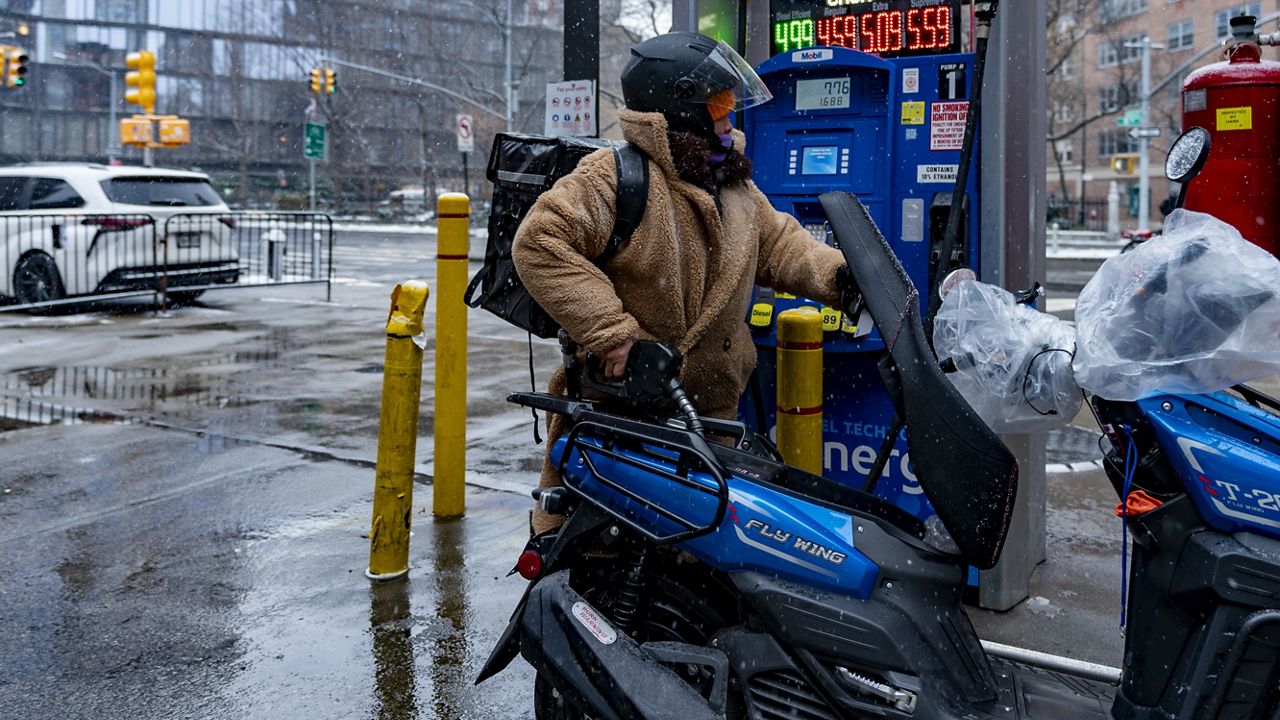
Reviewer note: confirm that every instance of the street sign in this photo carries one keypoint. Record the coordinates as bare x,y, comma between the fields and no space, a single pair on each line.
1144,132
314,146
1131,118
466,135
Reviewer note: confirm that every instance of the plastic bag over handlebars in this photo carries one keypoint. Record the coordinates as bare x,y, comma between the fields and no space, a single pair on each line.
1194,310
1013,363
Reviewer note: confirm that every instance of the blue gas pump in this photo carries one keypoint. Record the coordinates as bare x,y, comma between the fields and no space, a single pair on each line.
889,131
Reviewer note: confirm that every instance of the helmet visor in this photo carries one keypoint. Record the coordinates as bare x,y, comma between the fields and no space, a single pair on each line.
726,80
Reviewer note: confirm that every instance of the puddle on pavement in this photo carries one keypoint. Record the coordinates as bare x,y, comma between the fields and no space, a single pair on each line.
214,444
47,395
451,685
394,673
399,635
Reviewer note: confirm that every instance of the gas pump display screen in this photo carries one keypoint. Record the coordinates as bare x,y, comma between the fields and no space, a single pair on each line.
824,94
819,160
888,28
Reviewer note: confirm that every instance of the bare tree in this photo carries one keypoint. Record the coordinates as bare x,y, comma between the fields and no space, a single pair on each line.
1072,27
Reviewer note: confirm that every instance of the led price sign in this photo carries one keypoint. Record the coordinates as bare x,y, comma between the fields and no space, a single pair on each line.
888,28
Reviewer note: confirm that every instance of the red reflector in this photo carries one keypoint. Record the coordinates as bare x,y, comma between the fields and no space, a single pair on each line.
529,565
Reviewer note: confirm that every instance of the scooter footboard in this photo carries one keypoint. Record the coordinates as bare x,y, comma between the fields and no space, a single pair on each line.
598,667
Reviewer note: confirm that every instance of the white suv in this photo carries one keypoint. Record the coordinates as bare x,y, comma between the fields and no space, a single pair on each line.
71,229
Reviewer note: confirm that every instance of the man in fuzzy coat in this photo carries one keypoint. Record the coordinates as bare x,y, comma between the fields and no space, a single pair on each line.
707,236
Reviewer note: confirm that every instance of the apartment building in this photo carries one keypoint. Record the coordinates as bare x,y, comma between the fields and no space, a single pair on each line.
1094,92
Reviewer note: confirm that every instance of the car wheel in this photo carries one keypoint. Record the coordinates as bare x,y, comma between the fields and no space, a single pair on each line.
184,297
36,280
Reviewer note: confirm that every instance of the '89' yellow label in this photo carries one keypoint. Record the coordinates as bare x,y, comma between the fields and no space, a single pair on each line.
831,319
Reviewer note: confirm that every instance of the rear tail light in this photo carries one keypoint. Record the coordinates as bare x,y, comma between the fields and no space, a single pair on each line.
227,220
529,565
116,224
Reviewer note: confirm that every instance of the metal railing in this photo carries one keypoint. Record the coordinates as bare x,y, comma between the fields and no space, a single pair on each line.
1077,213
49,259
267,249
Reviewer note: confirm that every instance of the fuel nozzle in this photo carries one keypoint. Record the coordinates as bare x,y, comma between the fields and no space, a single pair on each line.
676,392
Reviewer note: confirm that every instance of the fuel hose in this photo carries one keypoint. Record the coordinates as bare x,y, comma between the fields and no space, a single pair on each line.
985,13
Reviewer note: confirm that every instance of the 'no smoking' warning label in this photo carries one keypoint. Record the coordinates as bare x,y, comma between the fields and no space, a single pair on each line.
946,125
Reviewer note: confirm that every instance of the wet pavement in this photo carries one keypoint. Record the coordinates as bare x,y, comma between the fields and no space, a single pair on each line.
185,500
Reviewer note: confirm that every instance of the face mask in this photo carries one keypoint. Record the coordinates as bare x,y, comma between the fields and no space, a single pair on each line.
726,140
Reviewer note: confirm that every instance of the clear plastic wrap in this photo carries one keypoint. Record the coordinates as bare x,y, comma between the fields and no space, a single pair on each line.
1194,310
1012,362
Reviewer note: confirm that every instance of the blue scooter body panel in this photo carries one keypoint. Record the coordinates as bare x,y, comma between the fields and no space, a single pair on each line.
764,530
1227,453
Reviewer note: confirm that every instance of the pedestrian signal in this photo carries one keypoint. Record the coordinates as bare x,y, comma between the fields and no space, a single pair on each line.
1126,164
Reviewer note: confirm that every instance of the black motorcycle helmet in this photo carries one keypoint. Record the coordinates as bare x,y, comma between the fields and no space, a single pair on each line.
679,73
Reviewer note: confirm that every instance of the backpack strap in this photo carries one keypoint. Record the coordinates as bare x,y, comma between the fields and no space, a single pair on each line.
633,195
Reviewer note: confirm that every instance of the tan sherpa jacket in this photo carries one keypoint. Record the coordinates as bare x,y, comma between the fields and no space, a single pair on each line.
684,277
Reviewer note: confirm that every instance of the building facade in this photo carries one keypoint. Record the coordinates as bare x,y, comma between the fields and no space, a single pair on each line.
1094,90
238,70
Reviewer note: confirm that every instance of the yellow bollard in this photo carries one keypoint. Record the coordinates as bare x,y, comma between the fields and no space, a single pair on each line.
800,388
397,434
448,485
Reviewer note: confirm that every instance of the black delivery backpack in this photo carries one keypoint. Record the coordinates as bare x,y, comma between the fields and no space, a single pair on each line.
522,167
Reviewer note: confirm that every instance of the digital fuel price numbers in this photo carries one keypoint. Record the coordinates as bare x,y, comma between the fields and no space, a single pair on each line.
888,28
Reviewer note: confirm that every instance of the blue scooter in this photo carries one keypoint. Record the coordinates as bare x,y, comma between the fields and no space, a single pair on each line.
699,576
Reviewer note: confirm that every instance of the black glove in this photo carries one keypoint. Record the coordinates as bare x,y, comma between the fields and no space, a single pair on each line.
850,294
844,280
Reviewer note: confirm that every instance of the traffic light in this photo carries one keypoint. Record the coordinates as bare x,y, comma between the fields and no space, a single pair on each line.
16,70
1125,164
317,80
141,80
330,81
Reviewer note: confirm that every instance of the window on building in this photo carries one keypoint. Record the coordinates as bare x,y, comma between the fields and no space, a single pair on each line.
1064,111
1222,18
1064,150
1180,36
1116,9
1120,50
1066,69
1114,97
1114,142
1108,54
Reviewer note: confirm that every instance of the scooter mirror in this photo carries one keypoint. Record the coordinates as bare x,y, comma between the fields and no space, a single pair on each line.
1188,155
953,278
